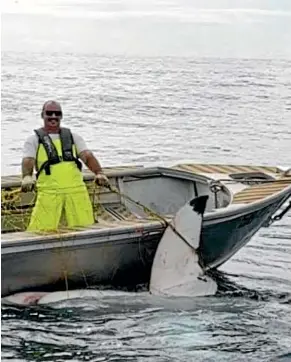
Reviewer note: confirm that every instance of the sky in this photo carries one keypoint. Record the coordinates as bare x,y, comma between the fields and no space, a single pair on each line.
226,28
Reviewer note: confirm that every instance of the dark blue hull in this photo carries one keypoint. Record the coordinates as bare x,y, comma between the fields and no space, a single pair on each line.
223,239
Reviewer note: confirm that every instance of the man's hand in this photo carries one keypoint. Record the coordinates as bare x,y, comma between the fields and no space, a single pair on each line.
27,184
101,179
93,164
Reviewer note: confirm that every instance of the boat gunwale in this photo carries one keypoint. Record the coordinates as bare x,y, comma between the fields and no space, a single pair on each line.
163,171
245,208
121,171
118,239
79,235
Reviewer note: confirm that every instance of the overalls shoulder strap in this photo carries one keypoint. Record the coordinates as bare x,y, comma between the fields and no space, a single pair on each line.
51,151
46,141
67,144
67,147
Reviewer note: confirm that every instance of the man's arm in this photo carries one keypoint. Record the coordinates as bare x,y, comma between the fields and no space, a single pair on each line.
91,161
86,155
27,166
28,163
93,164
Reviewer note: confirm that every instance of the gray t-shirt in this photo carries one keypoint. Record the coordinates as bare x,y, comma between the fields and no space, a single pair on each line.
31,144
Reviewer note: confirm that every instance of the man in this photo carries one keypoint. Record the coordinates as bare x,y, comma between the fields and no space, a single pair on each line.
55,152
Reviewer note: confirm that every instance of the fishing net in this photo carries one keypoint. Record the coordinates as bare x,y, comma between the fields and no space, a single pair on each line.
17,206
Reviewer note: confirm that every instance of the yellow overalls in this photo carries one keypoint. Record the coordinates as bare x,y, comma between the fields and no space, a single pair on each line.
64,189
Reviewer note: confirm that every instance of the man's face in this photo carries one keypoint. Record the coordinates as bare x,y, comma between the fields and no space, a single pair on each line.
52,115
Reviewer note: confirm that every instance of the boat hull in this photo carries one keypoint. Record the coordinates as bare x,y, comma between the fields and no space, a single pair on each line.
221,240
121,260
117,262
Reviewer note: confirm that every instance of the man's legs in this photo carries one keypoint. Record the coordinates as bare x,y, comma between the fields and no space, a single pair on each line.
47,212
78,208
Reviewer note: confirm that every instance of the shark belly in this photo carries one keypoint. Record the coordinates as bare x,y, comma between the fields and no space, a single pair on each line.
176,270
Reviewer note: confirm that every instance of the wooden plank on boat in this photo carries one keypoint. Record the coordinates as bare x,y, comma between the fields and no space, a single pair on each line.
121,212
258,192
224,169
123,167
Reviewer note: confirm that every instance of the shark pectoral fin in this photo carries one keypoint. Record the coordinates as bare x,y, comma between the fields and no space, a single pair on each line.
176,270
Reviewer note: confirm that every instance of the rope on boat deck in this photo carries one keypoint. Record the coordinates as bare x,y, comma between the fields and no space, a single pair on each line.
8,197
10,210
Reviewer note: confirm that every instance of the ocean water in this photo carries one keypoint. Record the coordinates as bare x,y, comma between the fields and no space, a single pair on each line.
157,82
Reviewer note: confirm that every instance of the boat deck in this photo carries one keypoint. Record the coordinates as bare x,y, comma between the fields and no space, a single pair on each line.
249,194
259,192
208,169
114,216
107,217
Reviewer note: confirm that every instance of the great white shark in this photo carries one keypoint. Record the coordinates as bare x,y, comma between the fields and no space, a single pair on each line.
175,272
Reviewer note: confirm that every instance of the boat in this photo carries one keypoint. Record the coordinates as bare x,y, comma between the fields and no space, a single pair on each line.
131,217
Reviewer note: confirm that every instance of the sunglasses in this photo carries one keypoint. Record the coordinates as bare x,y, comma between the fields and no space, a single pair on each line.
56,113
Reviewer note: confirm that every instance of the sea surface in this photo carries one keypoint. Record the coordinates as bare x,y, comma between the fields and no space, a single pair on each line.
156,83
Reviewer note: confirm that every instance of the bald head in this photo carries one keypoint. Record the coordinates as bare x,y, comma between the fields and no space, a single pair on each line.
53,105
52,115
